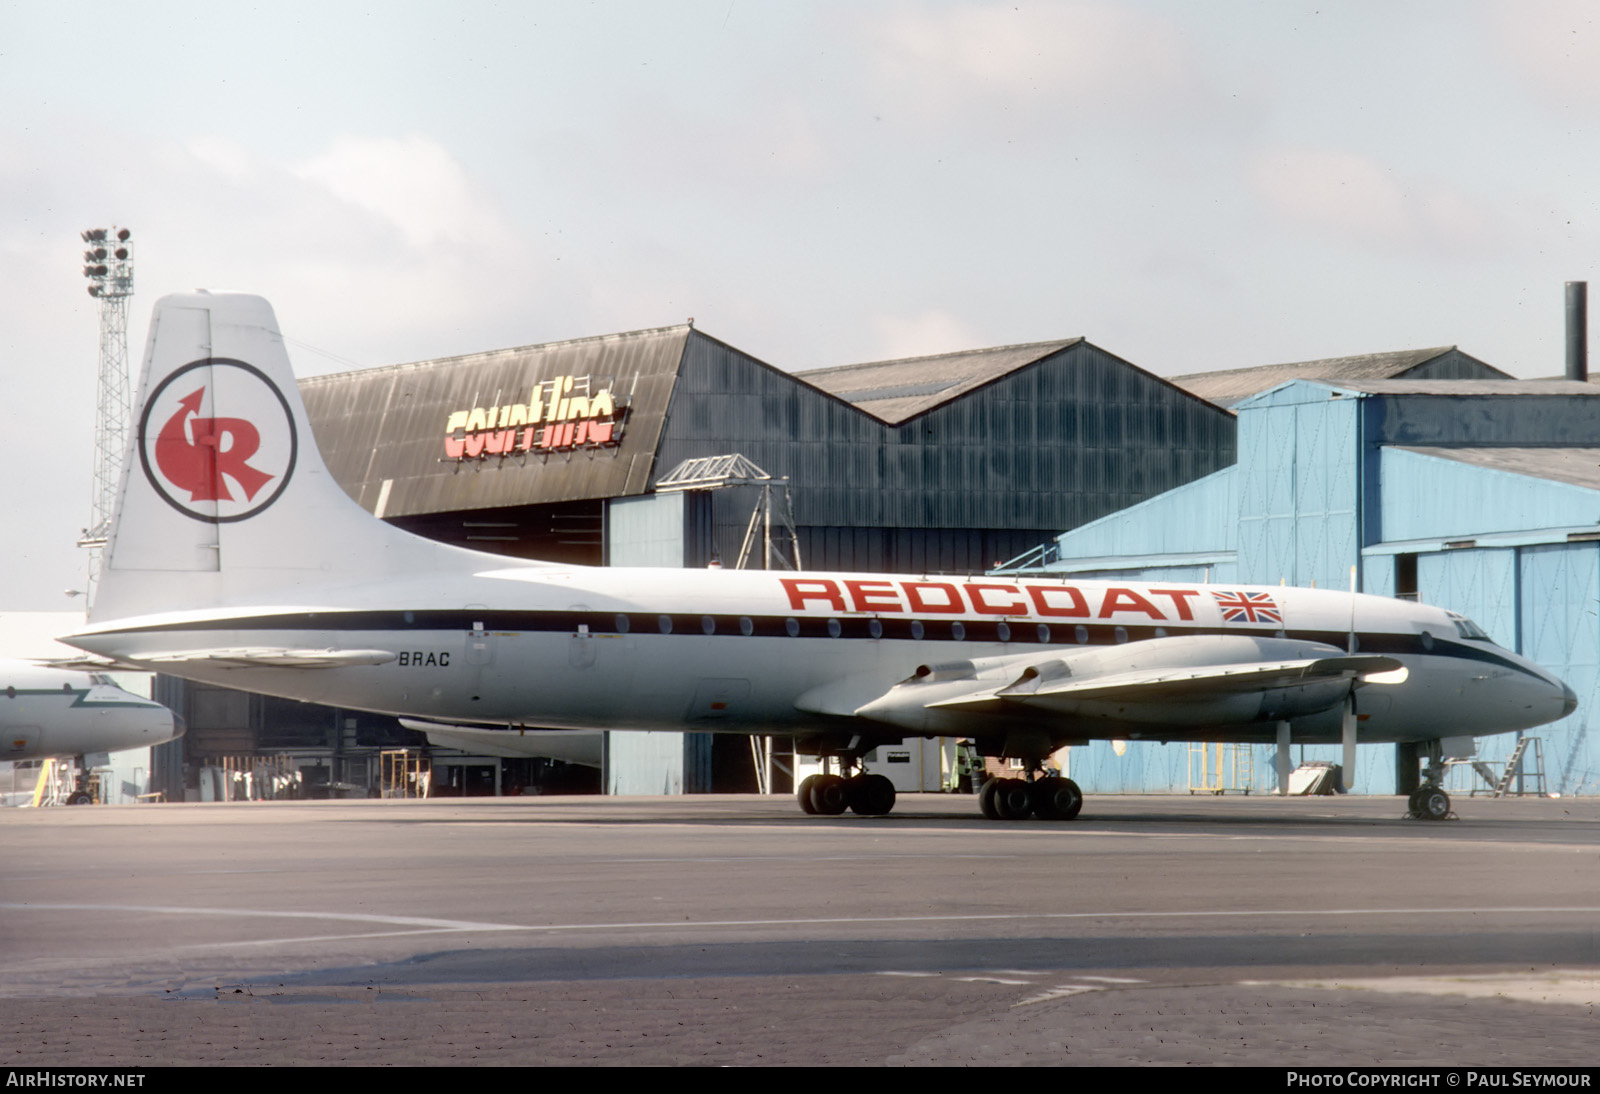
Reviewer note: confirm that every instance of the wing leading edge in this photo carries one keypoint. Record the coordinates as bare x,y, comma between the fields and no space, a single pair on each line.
1170,682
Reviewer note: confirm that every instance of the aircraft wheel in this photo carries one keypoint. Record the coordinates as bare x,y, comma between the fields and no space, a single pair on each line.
986,794
1056,799
803,794
1434,803
871,795
829,796
1013,800
80,797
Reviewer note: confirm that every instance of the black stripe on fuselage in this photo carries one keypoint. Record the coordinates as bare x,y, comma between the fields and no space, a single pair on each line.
1020,632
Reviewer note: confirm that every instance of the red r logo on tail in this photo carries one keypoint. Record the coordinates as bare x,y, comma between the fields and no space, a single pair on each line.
213,468
220,447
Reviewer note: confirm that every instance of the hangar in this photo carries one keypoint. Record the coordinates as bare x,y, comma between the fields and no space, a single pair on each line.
944,463
1479,495
939,464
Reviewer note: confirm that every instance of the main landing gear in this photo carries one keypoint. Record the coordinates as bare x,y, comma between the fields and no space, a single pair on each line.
1429,801
829,795
1048,798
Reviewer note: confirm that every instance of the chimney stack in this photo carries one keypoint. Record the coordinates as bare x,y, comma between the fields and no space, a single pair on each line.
1578,331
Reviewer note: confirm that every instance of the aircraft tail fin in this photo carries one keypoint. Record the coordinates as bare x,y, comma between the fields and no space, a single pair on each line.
225,498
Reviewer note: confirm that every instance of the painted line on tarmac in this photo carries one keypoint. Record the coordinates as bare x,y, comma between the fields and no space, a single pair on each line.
427,925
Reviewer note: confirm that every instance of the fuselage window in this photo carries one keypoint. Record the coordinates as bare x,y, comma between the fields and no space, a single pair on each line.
875,628
1120,634
917,630
747,626
11,691
1427,640
1044,633
1081,633
958,631
1003,632
792,627
708,624
834,629
665,623
622,623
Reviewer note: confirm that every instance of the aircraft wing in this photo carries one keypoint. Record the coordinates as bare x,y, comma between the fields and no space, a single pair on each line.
275,657
1212,680
1185,685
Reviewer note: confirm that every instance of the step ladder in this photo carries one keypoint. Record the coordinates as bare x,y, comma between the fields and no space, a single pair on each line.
1514,767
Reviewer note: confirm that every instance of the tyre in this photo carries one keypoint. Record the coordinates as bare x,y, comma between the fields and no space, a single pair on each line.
872,795
802,794
1435,804
986,795
829,797
1056,799
1013,800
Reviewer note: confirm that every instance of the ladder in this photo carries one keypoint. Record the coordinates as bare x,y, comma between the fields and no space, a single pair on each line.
1514,767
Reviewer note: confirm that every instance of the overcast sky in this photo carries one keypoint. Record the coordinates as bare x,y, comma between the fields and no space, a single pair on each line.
1191,186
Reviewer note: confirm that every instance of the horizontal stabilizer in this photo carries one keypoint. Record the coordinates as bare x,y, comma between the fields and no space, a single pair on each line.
278,658
88,663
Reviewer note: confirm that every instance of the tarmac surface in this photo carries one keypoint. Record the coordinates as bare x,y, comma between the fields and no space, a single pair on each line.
735,930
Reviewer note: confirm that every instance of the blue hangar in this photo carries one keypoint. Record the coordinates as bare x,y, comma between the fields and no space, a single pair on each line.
1480,495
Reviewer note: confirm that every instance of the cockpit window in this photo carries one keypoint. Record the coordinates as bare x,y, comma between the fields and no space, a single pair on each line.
1466,628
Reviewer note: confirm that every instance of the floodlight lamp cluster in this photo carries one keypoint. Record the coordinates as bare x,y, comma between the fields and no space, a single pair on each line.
108,263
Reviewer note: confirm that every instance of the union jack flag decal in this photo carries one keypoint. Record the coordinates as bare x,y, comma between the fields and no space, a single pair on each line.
1248,608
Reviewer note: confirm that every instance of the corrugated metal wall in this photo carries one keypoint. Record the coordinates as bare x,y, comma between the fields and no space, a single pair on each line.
973,482
1500,501
1308,465
1560,590
1297,489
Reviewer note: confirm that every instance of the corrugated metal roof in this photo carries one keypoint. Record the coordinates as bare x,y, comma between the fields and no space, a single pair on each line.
382,430
895,391
1228,386
1577,466
1564,388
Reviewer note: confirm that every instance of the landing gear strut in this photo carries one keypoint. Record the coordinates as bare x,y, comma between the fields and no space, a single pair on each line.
1048,797
1429,801
829,795
80,785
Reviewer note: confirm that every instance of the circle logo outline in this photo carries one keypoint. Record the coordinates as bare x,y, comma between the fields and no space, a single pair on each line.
159,483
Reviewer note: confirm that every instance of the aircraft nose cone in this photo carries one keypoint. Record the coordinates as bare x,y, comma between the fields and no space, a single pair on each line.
1569,700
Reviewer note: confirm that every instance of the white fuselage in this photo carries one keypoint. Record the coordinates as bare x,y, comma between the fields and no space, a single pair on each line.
48,712
742,651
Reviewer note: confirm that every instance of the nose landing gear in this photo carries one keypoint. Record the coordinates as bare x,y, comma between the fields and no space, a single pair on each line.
1429,801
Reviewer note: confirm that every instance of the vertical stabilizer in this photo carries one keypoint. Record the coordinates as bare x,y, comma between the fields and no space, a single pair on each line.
224,497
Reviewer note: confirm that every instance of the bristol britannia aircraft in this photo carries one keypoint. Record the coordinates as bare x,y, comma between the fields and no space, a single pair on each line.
53,713
236,559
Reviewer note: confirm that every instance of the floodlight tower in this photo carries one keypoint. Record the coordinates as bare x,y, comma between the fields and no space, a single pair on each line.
108,264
